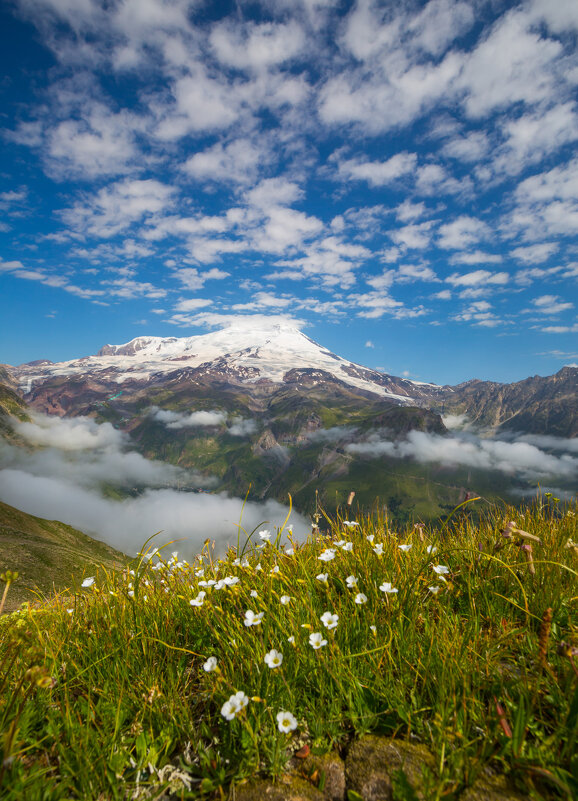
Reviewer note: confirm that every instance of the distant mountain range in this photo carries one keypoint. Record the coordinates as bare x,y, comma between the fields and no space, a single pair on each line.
281,413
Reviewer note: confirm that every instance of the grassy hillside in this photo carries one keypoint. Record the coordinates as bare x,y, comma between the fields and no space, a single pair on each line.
181,681
49,556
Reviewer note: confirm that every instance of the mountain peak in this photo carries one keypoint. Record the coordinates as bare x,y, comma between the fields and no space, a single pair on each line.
248,353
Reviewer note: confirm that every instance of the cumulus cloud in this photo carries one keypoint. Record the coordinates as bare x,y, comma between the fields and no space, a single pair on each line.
520,458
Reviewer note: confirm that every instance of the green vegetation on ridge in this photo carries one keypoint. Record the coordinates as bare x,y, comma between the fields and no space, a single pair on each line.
47,555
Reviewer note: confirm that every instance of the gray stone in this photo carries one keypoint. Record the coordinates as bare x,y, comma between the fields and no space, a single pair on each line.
288,788
491,787
329,765
372,761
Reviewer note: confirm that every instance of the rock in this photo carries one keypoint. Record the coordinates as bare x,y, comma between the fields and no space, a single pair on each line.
329,765
289,788
491,787
372,762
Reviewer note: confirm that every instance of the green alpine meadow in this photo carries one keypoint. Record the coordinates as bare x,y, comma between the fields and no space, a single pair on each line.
214,677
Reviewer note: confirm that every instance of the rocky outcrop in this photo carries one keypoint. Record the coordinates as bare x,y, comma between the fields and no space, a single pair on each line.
375,769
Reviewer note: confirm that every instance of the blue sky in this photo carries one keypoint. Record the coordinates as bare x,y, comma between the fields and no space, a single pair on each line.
399,178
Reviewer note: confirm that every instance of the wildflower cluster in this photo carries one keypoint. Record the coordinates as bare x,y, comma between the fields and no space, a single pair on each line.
263,649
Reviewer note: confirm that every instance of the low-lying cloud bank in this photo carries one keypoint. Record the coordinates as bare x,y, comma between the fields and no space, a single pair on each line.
522,457
63,481
239,426
126,524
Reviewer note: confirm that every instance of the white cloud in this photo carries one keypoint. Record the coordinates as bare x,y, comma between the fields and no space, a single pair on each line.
237,162
433,180
439,23
415,237
409,211
274,192
511,458
99,144
116,207
191,304
184,516
478,278
475,257
408,273
532,137
192,279
511,64
535,254
462,233
75,434
469,148
378,173
560,16
241,427
256,46
198,419
551,304
202,104
561,329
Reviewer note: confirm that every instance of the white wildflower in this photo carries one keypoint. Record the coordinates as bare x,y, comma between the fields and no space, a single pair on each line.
234,705
327,555
286,722
198,601
329,620
210,665
252,619
387,587
360,598
316,640
273,659
351,581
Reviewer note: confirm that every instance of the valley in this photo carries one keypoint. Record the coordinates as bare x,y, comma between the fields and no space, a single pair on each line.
268,413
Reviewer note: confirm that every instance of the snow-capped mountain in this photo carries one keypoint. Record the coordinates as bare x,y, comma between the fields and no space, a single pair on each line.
278,354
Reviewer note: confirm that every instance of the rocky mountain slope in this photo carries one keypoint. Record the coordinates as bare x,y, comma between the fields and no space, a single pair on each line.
537,405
